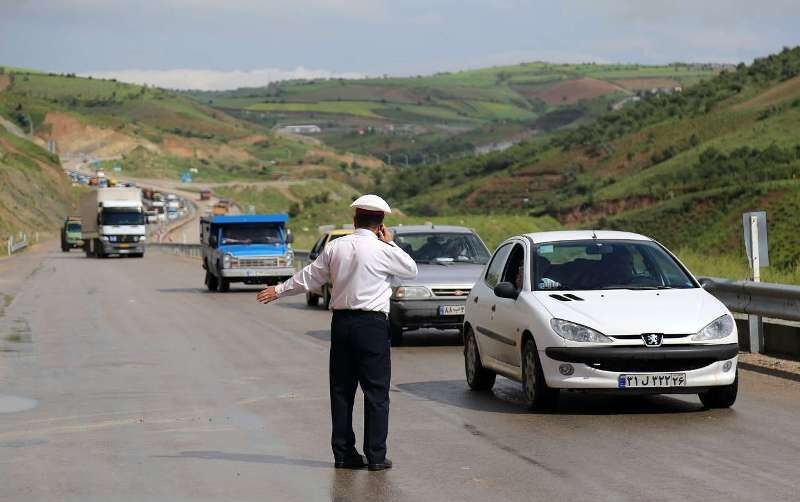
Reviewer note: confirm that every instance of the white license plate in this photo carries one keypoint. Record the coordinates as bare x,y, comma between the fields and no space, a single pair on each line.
257,273
451,309
651,380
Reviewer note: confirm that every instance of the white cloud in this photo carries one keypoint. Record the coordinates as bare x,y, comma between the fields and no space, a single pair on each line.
214,80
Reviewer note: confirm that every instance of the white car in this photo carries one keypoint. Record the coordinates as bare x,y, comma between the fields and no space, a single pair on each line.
602,310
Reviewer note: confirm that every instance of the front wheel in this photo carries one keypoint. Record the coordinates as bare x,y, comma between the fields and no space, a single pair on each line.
211,281
396,330
536,394
326,297
721,397
478,377
312,300
223,285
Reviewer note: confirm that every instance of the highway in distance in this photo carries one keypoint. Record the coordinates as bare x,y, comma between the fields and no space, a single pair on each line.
123,379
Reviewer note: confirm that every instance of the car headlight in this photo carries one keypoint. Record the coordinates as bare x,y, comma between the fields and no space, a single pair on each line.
226,260
142,238
411,293
289,258
718,328
577,332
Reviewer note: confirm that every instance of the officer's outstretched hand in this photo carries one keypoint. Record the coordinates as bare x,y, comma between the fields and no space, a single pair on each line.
267,295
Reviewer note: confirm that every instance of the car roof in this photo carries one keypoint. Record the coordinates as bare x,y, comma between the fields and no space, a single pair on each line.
581,235
445,229
249,218
340,231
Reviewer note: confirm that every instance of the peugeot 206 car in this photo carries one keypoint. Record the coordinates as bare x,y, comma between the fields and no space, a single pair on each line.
605,311
449,260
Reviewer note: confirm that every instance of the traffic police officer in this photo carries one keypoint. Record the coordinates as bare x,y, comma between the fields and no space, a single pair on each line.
361,267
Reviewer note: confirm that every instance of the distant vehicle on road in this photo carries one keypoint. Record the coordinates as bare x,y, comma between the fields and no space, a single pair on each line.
450,260
601,311
113,222
313,297
71,234
219,209
253,249
205,194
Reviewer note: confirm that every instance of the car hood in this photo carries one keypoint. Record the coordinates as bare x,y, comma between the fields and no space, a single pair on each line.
242,250
450,273
627,312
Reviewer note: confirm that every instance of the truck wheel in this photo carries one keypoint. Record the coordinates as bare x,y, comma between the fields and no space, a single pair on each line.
396,331
536,394
721,397
64,249
211,281
312,300
137,255
223,285
478,377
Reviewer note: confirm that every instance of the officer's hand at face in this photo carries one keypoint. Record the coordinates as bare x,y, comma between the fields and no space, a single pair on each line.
267,295
384,234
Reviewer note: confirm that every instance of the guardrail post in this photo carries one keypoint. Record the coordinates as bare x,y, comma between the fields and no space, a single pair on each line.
10,243
755,324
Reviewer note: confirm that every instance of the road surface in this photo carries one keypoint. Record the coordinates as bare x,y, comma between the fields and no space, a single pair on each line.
123,379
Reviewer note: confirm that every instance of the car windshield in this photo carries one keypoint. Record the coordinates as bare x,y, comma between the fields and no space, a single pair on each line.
607,264
442,247
251,234
122,217
73,227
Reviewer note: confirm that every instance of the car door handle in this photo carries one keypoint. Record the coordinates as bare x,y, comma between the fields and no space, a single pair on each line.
494,308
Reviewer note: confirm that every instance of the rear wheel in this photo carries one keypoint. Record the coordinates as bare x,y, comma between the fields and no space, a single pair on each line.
211,281
536,393
721,397
478,377
312,300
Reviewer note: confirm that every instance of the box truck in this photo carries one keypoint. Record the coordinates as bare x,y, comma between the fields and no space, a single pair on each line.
113,222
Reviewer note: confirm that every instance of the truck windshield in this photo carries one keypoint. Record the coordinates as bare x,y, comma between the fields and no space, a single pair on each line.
122,217
607,264
429,247
251,234
73,227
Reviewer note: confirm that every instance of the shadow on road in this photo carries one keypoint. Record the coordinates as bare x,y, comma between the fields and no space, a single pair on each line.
250,457
413,339
506,397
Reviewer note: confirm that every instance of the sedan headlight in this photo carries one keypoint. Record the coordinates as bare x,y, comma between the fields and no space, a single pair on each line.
577,332
142,238
227,260
411,293
718,328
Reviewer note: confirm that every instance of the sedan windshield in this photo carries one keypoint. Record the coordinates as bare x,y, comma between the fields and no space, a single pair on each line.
442,247
251,234
607,264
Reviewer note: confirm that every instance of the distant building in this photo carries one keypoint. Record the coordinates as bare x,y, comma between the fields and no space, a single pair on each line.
301,129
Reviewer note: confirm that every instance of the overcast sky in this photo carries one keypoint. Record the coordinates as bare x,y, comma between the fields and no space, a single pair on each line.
228,43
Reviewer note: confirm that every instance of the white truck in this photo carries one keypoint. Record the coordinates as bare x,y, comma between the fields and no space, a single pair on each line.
114,222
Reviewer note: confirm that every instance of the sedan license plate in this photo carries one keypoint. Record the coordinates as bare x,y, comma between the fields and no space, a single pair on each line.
124,245
256,273
451,309
652,380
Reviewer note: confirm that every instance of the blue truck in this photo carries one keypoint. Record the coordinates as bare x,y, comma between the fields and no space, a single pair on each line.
252,248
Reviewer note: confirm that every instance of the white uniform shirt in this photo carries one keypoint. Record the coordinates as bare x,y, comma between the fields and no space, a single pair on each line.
360,267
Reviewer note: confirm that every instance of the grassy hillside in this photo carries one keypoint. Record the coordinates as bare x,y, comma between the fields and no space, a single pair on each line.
35,195
679,167
151,132
421,119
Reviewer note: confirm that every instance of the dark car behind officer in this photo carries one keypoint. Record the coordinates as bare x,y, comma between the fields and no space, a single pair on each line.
361,267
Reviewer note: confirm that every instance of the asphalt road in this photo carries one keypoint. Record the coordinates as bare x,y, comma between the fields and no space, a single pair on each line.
122,379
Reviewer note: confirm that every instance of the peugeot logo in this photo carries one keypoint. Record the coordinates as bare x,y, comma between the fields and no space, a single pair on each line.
458,292
653,339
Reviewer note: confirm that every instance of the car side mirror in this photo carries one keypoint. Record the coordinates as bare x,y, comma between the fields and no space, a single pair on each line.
289,237
506,290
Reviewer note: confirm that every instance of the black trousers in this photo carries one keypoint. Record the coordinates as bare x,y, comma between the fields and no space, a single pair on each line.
360,356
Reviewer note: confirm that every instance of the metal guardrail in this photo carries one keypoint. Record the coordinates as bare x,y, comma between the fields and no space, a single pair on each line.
779,301
13,246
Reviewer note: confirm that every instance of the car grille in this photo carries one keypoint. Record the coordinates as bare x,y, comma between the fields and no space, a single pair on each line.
268,261
127,238
663,365
451,292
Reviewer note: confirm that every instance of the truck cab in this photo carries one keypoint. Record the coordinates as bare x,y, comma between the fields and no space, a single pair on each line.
113,222
252,249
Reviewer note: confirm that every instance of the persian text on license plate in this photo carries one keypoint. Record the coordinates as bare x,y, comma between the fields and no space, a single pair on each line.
651,380
451,310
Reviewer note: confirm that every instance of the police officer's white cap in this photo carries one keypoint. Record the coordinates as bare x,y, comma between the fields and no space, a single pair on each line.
371,203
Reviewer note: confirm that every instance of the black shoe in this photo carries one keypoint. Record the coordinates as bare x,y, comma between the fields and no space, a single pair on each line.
352,461
380,466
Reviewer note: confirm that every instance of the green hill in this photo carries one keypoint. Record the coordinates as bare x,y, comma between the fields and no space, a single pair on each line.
420,119
680,167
